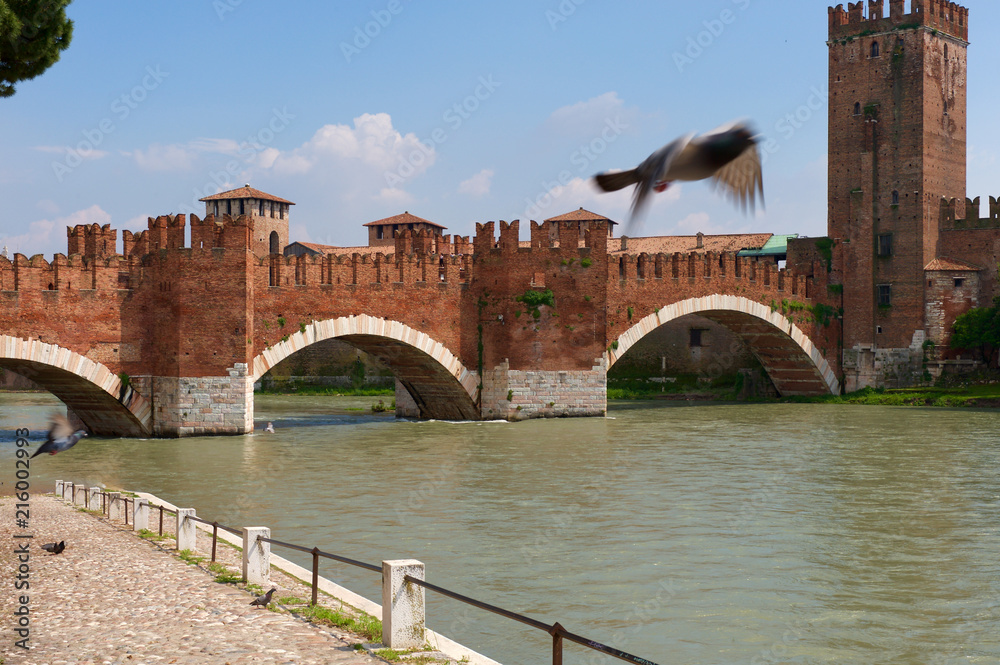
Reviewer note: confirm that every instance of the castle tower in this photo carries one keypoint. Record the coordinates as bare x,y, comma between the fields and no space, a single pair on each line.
897,144
270,216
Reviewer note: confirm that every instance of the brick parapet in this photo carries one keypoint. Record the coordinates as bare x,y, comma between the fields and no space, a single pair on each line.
940,15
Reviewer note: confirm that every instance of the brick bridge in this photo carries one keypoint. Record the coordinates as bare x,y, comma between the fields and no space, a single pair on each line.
167,340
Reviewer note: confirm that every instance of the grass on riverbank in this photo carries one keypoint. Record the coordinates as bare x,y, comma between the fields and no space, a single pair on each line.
982,395
331,391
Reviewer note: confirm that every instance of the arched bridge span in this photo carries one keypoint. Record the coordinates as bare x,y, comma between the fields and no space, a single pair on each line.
793,362
95,394
439,383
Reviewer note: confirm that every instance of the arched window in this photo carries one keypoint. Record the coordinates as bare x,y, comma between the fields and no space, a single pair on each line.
242,210
216,208
895,198
874,49
857,108
274,243
261,209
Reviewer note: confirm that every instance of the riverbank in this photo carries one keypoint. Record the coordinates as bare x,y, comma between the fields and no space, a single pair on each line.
113,596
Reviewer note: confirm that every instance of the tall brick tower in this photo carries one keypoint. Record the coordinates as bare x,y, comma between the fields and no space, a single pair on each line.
897,145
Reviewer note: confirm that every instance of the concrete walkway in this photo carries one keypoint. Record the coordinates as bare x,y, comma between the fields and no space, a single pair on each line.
112,597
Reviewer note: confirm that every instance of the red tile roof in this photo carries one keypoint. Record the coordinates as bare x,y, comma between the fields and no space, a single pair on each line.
581,215
316,247
944,263
245,192
686,244
405,218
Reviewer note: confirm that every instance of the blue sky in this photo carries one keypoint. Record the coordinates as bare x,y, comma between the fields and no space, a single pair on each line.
455,111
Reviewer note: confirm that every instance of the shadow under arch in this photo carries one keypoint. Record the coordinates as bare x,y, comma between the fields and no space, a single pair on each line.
442,387
92,391
794,364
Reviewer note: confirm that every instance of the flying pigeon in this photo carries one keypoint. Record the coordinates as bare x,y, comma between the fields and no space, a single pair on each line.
55,548
262,601
61,436
269,428
729,155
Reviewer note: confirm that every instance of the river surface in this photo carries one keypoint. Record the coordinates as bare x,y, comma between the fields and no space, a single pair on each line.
685,534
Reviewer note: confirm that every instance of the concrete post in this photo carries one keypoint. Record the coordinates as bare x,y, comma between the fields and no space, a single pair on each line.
95,498
402,604
140,515
116,507
67,493
59,489
256,555
185,529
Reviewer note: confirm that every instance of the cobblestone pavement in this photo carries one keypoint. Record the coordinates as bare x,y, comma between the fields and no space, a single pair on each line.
112,597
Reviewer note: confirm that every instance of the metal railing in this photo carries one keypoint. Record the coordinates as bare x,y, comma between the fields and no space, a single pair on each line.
556,630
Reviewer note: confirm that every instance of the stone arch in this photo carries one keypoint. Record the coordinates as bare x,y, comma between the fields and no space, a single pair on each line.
793,362
91,390
441,385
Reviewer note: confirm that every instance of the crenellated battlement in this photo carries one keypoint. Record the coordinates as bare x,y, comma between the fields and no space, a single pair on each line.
941,15
804,283
544,235
92,240
953,216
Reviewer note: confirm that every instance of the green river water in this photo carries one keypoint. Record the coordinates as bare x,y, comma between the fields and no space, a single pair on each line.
694,534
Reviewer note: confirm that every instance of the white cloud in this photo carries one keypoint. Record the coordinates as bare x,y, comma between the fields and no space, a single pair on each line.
591,117
164,157
65,150
48,236
372,142
478,185
581,192
394,195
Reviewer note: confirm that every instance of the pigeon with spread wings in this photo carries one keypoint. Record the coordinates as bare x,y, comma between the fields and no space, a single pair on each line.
61,436
728,155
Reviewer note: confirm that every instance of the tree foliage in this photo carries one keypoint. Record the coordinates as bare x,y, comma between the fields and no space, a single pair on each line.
979,329
33,33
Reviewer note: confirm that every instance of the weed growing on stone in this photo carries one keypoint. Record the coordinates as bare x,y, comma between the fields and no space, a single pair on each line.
151,535
364,624
190,558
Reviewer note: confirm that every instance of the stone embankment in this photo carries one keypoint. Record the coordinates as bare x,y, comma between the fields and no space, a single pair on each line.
115,597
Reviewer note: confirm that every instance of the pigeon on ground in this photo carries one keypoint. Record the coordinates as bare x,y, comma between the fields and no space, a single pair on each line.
61,436
728,154
262,601
55,548
269,428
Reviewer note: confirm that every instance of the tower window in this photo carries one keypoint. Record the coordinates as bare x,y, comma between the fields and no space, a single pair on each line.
885,295
216,208
242,209
895,198
959,282
885,244
857,108
229,207
875,50
261,209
